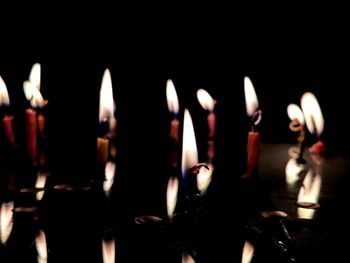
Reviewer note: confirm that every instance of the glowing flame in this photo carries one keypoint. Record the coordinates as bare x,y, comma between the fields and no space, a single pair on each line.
248,252
310,190
189,146
187,258
40,183
109,177
305,213
35,75
33,94
107,106
108,251
292,171
251,99
312,112
6,221
295,113
4,96
171,96
41,247
204,178
171,195
206,101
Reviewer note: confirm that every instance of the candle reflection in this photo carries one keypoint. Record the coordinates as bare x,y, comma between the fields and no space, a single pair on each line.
171,195
292,171
41,246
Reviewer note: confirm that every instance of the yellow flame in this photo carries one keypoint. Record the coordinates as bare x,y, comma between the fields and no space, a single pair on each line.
294,112
251,99
41,246
35,75
292,171
40,183
204,178
107,106
248,252
312,112
108,251
4,95
171,96
187,258
6,221
109,177
189,146
310,190
171,195
205,100
33,94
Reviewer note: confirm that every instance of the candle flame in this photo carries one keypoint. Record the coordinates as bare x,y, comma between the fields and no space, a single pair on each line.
312,112
41,246
109,177
108,250
187,258
310,190
35,75
40,183
6,221
171,96
4,95
171,195
295,113
205,100
251,99
107,105
292,171
33,94
248,252
189,146
204,178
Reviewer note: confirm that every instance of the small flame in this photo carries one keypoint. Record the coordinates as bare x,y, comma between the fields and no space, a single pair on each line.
292,171
312,112
251,99
171,195
206,101
107,106
40,183
35,75
248,252
33,94
4,95
6,221
171,96
187,258
204,178
41,246
189,146
109,175
108,250
310,190
295,113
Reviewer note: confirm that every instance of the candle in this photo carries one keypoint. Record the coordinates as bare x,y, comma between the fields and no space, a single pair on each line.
7,120
208,103
296,116
253,143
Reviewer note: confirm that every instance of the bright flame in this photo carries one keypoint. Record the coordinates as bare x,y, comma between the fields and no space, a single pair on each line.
187,258
294,112
171,195
310,190
248,252
40,183
41,247
108,251
35,75
171,97
204,178
292,171
6,221
312,112
189,146
107,106
33,94
109,177
206,101
251,100
4,95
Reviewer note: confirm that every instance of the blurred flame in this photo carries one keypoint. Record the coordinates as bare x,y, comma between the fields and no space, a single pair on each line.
248,252
189,146
107,106
204,178
4,95
109,177
108,251
41,247
251,99
310,190
292,171
171,195
305,213
6,221
312,112
205,100
33,94
187,258
294,112
171,96
35,75
40,183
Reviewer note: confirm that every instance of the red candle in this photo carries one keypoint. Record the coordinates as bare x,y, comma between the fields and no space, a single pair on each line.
31,128
174,130
253,150
211,124
8,127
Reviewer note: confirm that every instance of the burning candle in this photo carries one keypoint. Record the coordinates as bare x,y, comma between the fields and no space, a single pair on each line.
7,119
173,106
208,103
253,145
314,121
297,123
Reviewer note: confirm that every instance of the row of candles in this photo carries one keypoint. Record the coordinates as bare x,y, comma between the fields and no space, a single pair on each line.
309,114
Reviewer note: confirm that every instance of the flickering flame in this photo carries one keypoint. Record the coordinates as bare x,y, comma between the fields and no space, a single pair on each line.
292,171
248,252
107,106
189,146
109,177
41,247
204,178
6,221
251,99
187,258
205,100
295,113
310,190
35,75
171,96
33,94
171,195
312,112
4,95
40,184
108,250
